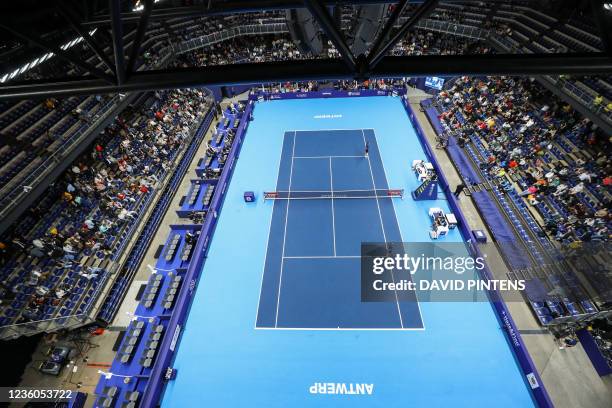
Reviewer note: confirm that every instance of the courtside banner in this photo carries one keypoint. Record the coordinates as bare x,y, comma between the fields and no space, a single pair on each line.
332,93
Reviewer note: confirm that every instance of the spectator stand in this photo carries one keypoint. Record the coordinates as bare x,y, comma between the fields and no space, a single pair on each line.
565,152
207,162
524,29
514,339
198,198
598,350
69,131
146,231
142,364
124,383
525,259
72,313
67,293
142,339
535,31
176,252
64,137
511,235
229,121
225,124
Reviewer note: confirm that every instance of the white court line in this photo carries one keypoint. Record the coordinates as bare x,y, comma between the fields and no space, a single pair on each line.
280,280
319,191
396,220
399,312
263,268
323,257
327,130
331,185
327,196
326,157
343,328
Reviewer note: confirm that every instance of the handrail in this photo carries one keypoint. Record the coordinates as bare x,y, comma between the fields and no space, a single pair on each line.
447,27
15,330
182,303
213,38
204,122
12,199
63,149
581,96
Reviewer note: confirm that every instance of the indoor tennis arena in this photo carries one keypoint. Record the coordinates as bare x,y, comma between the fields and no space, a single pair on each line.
308,203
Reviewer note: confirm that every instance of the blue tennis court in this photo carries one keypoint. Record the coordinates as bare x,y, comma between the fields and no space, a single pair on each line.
311,277
237,351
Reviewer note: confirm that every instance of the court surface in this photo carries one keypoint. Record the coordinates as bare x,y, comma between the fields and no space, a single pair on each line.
311,277
232,353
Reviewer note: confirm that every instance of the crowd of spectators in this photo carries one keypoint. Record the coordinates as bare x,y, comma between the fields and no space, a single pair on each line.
423,42
40,129
340,85
99,192
98,198
533,138
519,122
280,47
254,49
249,49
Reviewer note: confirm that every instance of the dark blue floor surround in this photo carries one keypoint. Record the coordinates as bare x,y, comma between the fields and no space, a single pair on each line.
312,270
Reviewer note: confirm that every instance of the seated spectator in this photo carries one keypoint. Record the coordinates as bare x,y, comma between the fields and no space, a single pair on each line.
521,124
93,201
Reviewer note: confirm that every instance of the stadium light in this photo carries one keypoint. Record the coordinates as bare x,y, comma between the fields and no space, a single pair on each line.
24,68
42,58
608,6
139,6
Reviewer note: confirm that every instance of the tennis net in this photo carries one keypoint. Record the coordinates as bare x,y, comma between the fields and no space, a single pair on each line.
337,194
